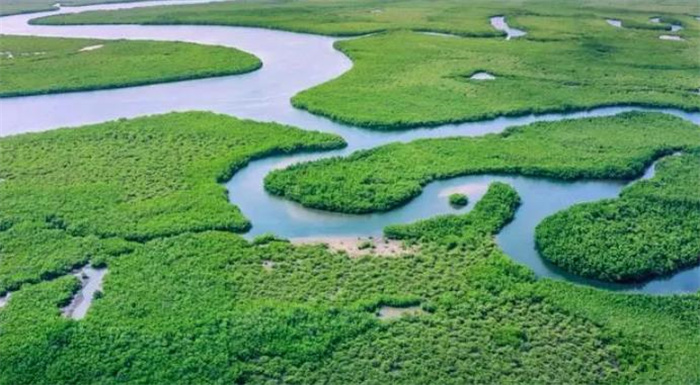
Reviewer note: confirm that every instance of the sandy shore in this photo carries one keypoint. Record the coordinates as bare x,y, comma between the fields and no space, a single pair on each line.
360,246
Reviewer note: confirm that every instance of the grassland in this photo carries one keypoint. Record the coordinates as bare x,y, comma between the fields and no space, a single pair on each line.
383,178
40,65
73,195
651,230
571,59
201,308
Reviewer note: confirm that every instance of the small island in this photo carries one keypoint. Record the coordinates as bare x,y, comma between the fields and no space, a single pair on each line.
458,200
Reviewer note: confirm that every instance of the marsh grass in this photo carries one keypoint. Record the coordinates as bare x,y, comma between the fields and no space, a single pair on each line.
195,308
402,79
42,65
67,191
651,230
383,178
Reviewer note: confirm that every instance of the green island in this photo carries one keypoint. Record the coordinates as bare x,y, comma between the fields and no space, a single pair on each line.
490,214
201,308
458,200
15,7
40,65
393,86
69,196
652,229
383,178
400,79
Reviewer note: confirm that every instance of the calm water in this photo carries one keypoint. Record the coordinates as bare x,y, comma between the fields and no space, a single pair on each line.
482,76
4,299
499,22
671,37
614,22
91,282
674,27
293,62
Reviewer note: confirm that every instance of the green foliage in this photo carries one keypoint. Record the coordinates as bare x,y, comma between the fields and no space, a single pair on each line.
39,65
66,191
652,229
266,238
195,308
33,252
13,7
393,86
386,177
458,200
571,59
34,311
489,215
662,321
357,17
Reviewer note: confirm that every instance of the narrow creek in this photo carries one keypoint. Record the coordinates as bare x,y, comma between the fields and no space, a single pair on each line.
499,22
4,299
294,62
91,282
614,22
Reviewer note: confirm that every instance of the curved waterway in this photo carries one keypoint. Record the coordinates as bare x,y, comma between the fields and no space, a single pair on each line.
293,62
499,22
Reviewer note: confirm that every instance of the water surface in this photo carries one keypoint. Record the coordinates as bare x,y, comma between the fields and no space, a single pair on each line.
91,282
671,37
4,299
482,76
614,22
499,22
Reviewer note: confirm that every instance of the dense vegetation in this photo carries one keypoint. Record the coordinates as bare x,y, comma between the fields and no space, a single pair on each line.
458,200
201,308
357,17
571,59
185,301
39,65
308,319
383,178
392,85
494,210
13,7
653,229
65,193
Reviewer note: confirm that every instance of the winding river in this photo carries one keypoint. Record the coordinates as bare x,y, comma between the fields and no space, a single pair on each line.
293,62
